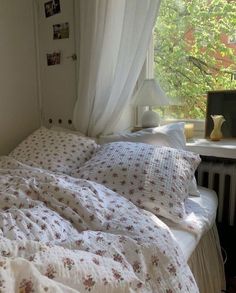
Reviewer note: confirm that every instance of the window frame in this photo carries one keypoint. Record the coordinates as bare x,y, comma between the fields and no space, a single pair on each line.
148,72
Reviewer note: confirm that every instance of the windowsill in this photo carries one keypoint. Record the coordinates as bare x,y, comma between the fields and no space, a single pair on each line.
225,148
199,125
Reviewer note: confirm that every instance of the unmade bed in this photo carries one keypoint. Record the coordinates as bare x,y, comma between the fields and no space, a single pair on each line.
78,217
203,251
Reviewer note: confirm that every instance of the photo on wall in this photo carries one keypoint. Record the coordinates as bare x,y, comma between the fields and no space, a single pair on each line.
61,31
54,58
52,7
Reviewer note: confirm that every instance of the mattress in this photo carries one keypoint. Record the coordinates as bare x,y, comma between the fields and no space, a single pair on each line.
204,209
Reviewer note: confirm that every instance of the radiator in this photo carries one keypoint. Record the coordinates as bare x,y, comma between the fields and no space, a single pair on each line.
220,177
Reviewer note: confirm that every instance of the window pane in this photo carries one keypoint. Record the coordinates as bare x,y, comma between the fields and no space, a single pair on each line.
192,52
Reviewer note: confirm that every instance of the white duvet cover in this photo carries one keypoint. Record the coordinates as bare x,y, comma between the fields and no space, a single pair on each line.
60,234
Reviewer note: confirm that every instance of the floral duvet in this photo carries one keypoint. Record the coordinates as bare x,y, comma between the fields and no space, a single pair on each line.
61,234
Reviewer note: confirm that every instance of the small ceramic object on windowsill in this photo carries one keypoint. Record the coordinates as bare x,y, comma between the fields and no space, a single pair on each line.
216,133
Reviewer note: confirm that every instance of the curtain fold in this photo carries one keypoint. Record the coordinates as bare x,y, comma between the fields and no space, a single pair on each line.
114,38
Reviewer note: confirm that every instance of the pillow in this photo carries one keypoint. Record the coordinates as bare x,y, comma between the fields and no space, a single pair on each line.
170,135
152,177
67,130
53,150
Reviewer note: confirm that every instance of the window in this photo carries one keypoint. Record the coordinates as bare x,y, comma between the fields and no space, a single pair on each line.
191,53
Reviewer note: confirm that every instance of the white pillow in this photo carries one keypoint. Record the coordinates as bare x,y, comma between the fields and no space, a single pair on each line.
152,177
67,130
53,150
170,135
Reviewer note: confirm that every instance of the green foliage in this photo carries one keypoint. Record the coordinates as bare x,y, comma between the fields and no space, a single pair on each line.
191,52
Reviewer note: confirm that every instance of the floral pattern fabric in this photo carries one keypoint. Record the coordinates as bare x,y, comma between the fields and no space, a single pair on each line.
152,177
62,234
54,150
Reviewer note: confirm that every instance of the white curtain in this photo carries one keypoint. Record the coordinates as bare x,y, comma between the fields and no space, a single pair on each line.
113,41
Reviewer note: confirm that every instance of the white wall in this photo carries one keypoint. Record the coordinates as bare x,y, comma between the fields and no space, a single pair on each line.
19,113
58,82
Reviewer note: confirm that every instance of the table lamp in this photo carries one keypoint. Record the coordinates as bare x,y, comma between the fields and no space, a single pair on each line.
150,94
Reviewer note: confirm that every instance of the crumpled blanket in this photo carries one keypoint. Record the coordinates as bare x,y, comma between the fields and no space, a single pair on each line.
61,234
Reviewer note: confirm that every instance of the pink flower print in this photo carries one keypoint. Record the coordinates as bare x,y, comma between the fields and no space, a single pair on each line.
88,282
99,238
79,242
108,217
157,210
31,258
58,235
117,275
122,239
139,285
105,282
155,260
26,286
2,284
50,272
68,263
43,227
148,278
172,269
100,252
137,267
96,261
5,253
117,257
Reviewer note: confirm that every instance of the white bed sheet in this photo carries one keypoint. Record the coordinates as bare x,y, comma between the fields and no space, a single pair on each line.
204,208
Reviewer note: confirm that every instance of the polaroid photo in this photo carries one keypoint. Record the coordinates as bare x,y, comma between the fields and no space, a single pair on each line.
52,7
54,58
61,31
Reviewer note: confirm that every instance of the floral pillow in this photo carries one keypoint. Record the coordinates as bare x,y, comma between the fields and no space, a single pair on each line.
53,150
170,135
152,177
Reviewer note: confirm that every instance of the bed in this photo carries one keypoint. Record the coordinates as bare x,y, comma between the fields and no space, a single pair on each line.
64,228
203,251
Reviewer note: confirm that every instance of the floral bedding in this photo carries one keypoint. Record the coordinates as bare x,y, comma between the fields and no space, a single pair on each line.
152,177
54,150
62,234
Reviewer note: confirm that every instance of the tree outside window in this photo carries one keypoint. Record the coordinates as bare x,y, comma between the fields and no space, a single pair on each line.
192,54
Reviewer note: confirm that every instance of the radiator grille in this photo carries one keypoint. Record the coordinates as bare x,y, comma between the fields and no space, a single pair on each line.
220,177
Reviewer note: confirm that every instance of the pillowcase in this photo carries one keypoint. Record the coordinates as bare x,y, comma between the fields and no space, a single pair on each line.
170,135
67,130
53,150
152,177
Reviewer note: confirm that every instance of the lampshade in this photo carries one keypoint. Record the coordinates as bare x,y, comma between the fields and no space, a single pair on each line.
151,94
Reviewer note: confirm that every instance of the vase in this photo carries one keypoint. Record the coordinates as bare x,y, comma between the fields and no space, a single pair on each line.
216,133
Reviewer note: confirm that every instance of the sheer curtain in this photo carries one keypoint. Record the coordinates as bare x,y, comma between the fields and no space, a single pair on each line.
113,41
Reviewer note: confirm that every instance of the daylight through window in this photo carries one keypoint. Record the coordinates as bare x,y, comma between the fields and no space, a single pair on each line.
193,54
